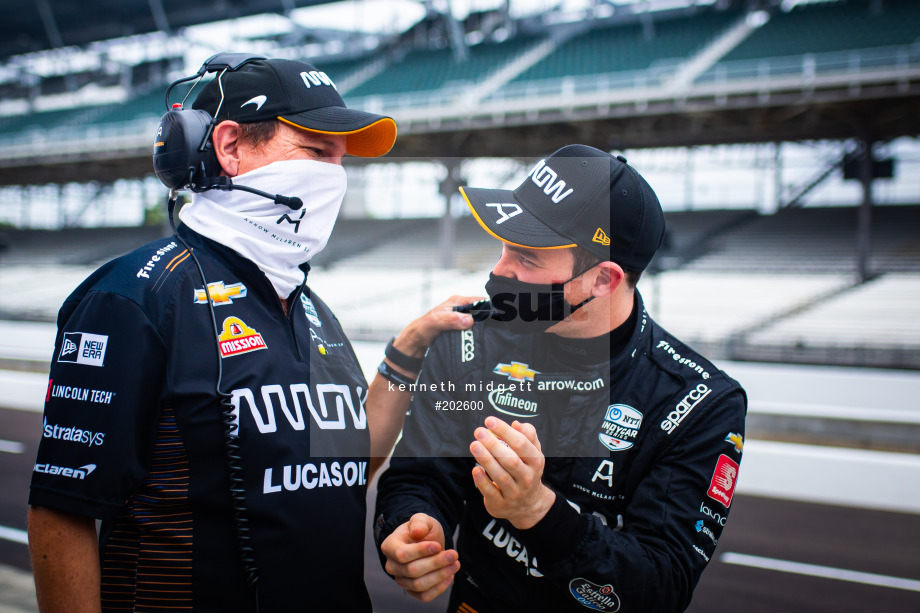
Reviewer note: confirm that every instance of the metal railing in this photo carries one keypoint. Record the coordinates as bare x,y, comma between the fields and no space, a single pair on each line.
854,63
897,63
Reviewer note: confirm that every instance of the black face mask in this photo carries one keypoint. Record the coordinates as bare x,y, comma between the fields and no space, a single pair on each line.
526,307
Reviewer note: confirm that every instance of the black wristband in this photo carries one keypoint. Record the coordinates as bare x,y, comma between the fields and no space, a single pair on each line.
394,376
403,361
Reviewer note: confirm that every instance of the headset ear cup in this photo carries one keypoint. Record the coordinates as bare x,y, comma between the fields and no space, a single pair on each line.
177,159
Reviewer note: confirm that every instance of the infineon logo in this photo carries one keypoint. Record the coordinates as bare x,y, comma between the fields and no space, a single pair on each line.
237,338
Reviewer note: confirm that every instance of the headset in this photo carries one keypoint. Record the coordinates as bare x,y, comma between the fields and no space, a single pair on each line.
183,154
184,158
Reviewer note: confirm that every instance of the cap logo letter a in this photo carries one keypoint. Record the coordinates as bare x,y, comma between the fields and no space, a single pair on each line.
601,237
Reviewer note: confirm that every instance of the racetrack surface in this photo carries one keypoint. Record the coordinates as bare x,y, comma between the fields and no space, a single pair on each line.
785,548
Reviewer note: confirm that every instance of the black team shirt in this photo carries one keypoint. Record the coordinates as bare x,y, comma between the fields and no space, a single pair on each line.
133,435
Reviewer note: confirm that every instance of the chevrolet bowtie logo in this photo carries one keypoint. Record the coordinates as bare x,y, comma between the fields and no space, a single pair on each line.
220,294
518,371
736,440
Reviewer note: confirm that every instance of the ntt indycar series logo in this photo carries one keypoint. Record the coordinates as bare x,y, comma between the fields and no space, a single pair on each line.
682,409
620,427
594,596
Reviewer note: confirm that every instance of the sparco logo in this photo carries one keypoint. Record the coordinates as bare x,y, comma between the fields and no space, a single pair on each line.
547,178
79,473
683,408
503,540
507,403
594,596
467,346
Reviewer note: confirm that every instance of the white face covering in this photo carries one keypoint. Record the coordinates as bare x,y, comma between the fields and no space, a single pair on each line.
274,237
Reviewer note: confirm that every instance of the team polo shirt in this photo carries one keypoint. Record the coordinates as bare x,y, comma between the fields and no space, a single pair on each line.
134,434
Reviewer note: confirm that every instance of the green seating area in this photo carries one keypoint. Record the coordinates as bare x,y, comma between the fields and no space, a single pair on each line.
434,69
151,105
625,48
820,28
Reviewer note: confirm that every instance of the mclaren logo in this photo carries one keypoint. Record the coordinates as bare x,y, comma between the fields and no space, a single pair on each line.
220,294
517,371
601,237
256,100
515,209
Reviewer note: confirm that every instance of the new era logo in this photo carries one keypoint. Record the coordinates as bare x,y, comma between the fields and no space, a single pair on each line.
69,347
83,349
601,237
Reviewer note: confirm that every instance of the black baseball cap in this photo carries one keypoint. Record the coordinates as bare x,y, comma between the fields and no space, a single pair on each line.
580,196
297,94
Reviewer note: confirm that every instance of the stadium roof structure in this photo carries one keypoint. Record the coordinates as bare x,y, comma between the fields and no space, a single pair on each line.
47,24
723,72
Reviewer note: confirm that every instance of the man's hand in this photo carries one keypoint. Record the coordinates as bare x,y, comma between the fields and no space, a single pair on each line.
509,476
418,335
417,560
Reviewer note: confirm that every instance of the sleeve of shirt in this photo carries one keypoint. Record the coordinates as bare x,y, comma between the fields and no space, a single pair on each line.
104,390
431,462
669,531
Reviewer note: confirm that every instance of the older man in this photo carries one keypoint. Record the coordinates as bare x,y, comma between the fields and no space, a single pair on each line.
203,402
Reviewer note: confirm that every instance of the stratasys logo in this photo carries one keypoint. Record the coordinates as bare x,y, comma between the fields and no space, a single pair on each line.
594,596
505,402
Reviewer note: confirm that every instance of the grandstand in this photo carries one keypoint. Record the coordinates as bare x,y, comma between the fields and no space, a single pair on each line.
788,284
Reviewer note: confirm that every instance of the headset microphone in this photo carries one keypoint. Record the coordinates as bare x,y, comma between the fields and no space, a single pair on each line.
226,184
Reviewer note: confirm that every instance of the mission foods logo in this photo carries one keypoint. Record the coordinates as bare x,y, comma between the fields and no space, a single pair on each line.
83,349
237,338
620,427
594,596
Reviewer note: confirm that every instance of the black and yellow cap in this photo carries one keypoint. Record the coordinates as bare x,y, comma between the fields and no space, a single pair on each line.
580,196
298,94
